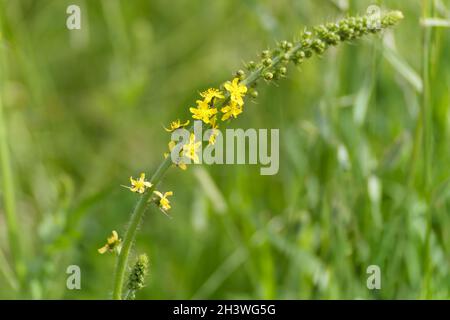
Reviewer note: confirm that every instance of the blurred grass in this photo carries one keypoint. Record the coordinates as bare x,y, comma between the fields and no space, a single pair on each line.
364,164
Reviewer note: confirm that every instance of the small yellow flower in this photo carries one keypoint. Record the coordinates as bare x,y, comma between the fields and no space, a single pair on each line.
190,149
236,90
212,93
180,164
174,125
231,110
113,244
164,203
203,111
139,185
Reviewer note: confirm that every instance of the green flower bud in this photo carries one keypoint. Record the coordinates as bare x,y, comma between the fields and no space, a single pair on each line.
298,61
300,54
286,45
286,57
306,43
318,46
251,66
391,19
268,76
267,62
240,74
265,54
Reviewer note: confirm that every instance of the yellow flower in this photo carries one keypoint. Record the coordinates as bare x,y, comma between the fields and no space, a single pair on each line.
190,149
140,184
203,111
236,90
164,203
174,125
113,244
180,164
211,93
231,110
214,129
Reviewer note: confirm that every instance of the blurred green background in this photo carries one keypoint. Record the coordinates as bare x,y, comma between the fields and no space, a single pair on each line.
364,151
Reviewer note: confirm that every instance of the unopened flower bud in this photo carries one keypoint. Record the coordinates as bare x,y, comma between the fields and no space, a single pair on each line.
267,62
268,75
265,54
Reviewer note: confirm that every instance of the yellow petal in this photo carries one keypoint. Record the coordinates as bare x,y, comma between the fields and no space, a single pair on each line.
159,194
103,249
182,166
147,184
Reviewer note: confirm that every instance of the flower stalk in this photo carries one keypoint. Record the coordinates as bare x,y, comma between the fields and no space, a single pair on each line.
272,67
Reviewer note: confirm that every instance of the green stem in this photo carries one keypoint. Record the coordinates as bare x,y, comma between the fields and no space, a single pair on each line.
7,184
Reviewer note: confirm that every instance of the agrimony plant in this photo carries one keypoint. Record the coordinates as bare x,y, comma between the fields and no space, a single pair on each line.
225,103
